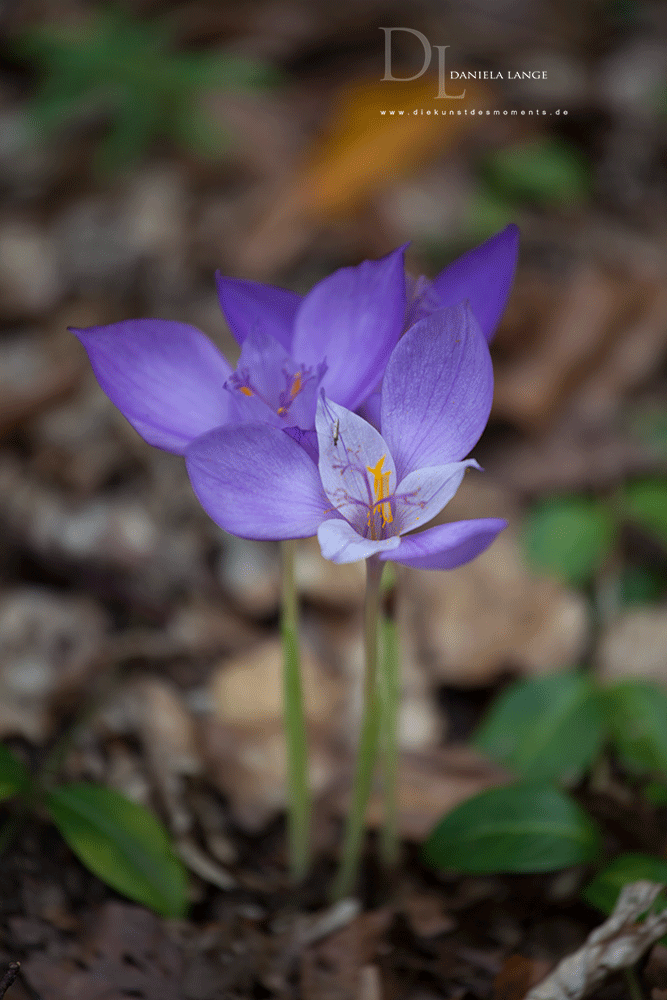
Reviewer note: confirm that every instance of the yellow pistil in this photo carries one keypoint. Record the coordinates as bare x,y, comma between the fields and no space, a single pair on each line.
245,390
381,490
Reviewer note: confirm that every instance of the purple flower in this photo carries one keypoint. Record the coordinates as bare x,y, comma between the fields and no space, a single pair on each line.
368,488
173,385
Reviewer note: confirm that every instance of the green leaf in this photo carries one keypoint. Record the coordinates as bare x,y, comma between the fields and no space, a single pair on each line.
527,827
546,728
569,536
486,213
655,793
122,843
645,503
14,776
637,715
641,585
604,890
545,172
132,71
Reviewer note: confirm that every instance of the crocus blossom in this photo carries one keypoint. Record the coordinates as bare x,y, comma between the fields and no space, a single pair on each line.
369,487
173,384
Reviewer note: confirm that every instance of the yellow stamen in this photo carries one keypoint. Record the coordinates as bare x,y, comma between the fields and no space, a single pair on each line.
296,386
294,391
245,390
381,489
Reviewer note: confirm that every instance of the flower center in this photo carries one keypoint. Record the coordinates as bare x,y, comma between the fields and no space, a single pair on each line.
280,402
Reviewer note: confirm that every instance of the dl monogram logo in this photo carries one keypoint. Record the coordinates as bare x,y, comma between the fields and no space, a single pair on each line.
426,45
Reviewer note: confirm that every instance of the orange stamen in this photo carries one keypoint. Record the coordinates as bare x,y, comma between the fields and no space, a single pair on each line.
296,386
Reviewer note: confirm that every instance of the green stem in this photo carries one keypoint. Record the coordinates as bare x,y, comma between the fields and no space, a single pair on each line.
298,793
634,989
390,687
368,740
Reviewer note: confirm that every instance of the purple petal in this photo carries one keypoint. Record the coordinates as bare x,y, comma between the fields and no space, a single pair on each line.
348,448
353,319
306,440
370,408
484,277
423,494
166,378
256,482
248,305
437,391
447,546
342,544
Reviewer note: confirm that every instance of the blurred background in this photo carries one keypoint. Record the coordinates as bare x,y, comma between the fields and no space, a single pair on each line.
143,145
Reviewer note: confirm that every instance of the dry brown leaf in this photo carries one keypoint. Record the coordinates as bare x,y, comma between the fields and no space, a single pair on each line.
247,690
35,374
427,914
574,455
248,765
167,733
635,645
335,968
531,390
325,583
127,951
517,975
616,944
493,613
429,786
50,645
586,345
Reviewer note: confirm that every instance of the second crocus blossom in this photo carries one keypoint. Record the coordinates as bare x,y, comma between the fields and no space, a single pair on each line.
173,385
369,487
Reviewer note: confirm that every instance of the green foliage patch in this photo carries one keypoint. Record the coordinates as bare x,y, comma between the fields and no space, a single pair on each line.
130,70
527,827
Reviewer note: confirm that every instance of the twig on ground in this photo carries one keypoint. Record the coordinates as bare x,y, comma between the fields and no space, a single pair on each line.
9,977
616,944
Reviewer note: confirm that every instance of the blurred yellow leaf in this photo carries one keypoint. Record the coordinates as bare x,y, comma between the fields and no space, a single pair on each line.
366,147
379,131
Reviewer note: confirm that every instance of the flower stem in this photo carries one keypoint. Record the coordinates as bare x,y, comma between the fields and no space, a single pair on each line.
390,687
298,793
368,740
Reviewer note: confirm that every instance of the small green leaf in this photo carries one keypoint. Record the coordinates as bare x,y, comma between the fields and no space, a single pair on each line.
546,728
641,585
486,213
637,715
544,172
569,536
645,503
14,776
604,890
655,793
520,828
122,843
132,71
